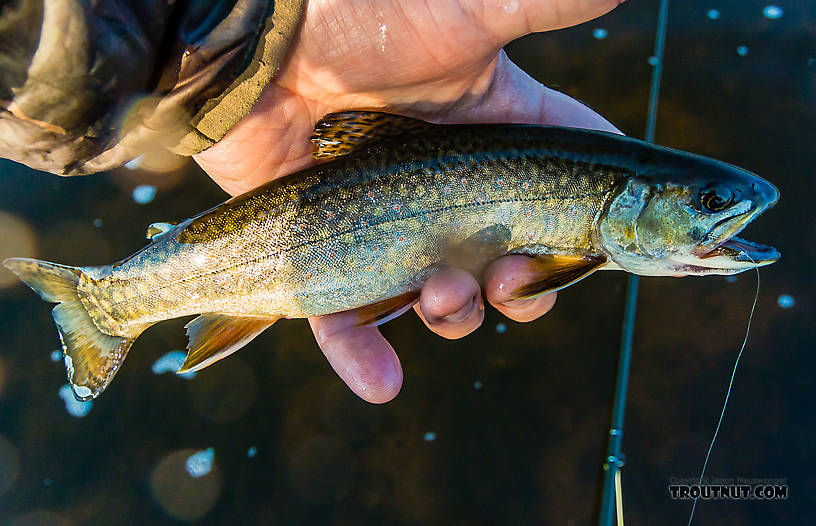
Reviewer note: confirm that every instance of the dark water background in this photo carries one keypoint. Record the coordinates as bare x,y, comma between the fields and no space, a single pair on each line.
502,427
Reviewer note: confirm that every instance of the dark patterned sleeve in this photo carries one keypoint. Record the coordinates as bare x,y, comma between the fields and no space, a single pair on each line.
88,86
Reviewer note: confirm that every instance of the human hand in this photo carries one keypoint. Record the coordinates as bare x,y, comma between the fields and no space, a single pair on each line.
441,62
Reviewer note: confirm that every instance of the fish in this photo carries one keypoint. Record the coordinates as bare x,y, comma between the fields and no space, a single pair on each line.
391,201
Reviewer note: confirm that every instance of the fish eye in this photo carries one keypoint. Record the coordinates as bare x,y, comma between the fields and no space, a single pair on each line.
716,197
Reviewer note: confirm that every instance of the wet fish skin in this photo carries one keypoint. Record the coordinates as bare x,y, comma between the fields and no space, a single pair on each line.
375,223
354,231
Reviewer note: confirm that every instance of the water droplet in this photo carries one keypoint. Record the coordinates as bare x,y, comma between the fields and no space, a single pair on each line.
501,328
742,50
72,405
200,463
383,36
180,495
430,436
653,61
170,363
599,33
56,356
477,385
134,164
713,14
786,301
252,451
144,193
772,12
97,222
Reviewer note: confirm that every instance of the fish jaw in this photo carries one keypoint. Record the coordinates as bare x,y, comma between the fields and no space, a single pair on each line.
731,257
722,252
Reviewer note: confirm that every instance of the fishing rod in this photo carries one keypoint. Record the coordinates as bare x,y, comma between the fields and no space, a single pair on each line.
612,496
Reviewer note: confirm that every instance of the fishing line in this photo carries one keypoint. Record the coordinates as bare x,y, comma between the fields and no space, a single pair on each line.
730,386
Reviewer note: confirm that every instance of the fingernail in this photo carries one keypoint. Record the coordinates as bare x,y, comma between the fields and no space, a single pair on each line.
522,302
460,315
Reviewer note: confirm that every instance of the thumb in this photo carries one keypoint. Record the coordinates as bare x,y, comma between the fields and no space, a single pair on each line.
507,20
513,96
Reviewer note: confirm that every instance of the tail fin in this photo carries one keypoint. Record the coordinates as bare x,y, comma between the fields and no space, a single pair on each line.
91,356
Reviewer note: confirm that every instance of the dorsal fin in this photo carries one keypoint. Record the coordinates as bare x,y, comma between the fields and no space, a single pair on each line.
341,133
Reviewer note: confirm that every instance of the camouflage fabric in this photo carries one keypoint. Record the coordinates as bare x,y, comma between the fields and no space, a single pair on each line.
88,85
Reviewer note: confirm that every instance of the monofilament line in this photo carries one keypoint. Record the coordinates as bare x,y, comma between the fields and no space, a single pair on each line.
730,386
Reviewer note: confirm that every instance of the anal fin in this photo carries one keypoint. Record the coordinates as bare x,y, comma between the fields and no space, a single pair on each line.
556,272
386,310
214,336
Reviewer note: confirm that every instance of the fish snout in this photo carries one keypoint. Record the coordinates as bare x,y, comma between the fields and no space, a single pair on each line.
763,193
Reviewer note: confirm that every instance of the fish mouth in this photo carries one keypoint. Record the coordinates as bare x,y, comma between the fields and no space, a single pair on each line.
740,250
721,249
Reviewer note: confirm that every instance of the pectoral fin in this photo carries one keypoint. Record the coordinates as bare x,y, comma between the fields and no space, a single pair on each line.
383,311
214,336
341,133
557,272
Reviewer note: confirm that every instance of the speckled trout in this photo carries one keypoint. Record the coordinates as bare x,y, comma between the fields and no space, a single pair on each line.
395,200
